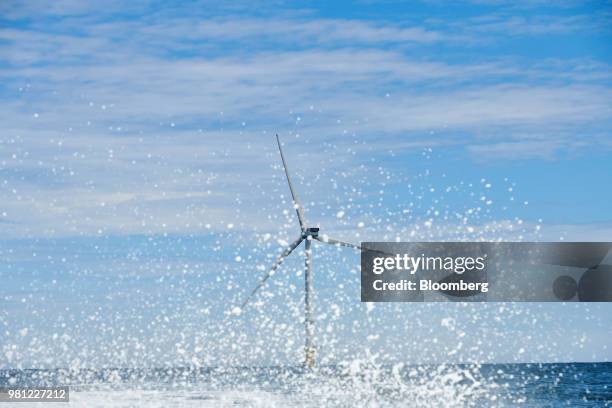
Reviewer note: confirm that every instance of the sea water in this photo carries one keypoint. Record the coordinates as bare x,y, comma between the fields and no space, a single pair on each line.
355,384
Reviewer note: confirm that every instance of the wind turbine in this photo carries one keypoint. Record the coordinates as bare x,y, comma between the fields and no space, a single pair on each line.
307,235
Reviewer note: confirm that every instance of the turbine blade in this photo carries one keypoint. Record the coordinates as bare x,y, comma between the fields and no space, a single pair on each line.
296,202
336,242
274,267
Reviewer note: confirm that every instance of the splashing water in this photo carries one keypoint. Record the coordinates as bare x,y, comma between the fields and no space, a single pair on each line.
171,301
358,384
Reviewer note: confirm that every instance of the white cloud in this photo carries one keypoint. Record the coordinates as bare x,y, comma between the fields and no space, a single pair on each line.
147,116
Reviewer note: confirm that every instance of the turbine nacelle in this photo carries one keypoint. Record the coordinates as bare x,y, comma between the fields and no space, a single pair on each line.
312,232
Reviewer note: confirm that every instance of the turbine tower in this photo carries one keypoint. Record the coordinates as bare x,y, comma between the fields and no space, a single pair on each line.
307,235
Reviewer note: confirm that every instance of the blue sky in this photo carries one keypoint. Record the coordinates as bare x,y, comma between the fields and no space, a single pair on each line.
142,193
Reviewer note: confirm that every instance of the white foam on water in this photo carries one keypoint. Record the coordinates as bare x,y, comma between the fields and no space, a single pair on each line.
358,384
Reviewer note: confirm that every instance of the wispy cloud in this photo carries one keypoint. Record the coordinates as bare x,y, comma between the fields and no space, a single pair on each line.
108,111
